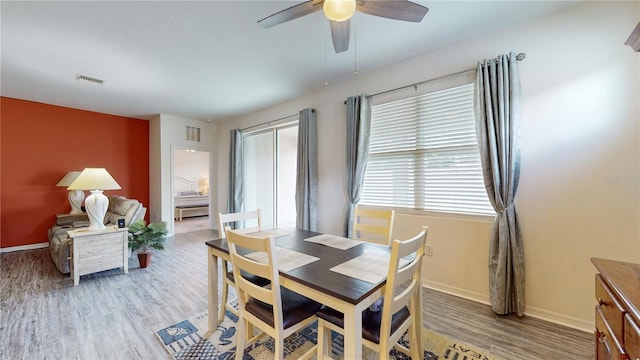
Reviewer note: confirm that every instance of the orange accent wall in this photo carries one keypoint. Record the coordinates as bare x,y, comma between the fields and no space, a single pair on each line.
40,143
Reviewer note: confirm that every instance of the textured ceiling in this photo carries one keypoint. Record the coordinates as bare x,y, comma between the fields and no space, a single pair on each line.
210,59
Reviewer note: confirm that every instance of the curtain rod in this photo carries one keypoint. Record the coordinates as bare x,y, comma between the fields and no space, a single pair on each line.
272,121
519,57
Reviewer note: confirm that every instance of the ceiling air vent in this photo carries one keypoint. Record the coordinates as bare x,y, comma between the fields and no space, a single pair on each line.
89,79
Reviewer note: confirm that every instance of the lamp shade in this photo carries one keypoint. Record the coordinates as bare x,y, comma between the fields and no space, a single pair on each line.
94,179
68,179
339,10
203,184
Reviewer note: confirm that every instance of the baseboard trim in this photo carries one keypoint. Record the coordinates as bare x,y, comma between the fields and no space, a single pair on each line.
456,291
560,319
24,247
535,312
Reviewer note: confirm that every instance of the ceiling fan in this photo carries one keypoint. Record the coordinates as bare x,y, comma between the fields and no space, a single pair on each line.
339,13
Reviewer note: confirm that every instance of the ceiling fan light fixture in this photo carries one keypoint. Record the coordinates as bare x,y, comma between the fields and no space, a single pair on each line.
339,10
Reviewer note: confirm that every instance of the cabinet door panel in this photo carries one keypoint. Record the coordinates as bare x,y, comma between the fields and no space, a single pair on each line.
611,308
632,338
608,347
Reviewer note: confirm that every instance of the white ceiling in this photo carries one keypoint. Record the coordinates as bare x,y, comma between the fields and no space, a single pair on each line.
210,59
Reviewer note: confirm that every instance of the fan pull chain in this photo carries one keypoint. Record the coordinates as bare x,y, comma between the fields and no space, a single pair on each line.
355,47
326,83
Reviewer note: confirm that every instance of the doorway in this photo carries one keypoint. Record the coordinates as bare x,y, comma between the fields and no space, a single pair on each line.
270,162
191,190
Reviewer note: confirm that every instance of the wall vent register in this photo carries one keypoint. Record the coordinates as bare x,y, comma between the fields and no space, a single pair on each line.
192,133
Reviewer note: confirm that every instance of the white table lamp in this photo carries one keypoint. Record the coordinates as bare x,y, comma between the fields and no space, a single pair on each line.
203,185
75,197
96,204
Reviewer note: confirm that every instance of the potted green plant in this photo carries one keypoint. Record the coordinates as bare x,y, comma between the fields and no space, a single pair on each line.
143,237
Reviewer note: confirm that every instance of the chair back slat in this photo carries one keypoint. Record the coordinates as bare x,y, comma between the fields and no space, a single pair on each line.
249,242
253,217
405,296
373,225
252,267
251,290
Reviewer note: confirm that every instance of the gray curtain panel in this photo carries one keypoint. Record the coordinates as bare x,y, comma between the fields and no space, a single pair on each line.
358,134
498,108
235,194
307,171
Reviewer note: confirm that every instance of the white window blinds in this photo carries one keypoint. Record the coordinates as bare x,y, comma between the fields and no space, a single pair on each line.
423,154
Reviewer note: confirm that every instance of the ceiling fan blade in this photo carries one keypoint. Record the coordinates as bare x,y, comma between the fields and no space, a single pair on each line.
291,13
340,32
394,9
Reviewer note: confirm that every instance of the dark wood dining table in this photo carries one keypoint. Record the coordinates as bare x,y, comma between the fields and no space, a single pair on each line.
316,281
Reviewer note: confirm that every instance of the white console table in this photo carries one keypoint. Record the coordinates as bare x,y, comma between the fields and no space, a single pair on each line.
98,250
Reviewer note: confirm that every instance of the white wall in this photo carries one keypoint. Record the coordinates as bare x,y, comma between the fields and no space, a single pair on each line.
167,132
579,193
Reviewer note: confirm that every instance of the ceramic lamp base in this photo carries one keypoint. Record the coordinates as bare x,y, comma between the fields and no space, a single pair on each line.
96,205
76,197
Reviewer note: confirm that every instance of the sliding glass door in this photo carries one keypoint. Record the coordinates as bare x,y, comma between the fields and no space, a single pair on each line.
270,158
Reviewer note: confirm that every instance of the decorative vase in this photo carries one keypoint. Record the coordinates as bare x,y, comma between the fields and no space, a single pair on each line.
144,259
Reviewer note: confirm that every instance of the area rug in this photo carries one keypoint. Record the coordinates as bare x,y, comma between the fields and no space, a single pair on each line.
185,340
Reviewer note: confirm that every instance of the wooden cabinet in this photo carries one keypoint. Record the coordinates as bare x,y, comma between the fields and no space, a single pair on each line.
99,250
617,314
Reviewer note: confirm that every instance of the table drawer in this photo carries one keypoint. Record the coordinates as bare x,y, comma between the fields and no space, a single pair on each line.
102,246
608,347
632,338
612,310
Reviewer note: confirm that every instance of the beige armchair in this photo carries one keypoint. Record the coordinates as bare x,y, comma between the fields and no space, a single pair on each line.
120,207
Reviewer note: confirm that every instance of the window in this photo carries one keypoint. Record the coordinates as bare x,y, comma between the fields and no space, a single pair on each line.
424,154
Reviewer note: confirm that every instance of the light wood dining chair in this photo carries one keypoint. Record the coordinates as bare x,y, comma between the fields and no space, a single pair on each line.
277,311
373,225
249,221
401,306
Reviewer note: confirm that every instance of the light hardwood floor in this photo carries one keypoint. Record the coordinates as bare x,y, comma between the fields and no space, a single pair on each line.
191,224
111,315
